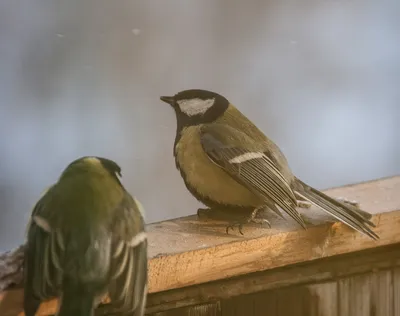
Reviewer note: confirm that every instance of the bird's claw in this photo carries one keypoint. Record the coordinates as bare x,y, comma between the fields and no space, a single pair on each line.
261,221
233,225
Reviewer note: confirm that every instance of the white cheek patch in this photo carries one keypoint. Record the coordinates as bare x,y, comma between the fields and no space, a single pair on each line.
196,106
246,157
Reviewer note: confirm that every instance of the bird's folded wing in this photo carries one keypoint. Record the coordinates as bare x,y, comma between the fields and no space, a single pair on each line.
41,265
128,285
249,166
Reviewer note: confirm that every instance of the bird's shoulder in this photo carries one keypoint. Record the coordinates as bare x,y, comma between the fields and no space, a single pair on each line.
128,219
244,135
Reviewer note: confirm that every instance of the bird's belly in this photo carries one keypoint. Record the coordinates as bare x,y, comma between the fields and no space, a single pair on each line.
205,179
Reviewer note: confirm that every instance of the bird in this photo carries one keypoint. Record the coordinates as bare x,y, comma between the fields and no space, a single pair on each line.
229,165
86,238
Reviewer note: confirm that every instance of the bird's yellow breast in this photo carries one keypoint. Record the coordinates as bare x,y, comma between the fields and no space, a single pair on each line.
207,178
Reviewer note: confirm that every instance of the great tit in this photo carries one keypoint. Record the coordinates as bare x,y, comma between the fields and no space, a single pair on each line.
229,165
86,238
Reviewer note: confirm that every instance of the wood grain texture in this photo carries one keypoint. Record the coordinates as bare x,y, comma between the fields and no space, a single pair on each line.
324,298
317,271
202,258
382,293
187,252
312,300
396,291
367,294
210,309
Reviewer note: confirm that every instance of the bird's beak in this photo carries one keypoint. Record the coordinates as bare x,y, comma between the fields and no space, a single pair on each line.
169,100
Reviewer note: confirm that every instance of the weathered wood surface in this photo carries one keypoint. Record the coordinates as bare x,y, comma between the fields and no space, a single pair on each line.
318,271
209,309
368,294
187,252
195,253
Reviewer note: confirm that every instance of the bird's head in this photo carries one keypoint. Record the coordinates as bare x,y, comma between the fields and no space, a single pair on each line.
196,106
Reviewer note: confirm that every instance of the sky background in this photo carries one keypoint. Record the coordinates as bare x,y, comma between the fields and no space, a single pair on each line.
320,78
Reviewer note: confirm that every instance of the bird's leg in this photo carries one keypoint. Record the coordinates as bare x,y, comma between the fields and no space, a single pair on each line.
253,217
204,212
250,219
234,224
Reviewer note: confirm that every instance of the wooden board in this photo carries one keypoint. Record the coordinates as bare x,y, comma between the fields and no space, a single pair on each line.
396,291
359,295
187,252
317,271
306,300
210,309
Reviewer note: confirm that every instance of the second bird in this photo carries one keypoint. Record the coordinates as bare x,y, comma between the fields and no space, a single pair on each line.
87,238
228,164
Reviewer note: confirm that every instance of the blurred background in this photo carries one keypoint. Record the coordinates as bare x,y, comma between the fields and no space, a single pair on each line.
321,78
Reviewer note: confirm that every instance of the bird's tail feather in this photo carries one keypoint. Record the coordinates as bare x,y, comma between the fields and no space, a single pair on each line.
76,300
357,219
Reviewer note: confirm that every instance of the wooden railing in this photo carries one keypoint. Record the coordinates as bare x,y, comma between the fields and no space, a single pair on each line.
195,265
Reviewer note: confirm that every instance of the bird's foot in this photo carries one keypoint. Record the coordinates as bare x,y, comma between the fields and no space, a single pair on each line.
251,219
261,221
234,224
203,212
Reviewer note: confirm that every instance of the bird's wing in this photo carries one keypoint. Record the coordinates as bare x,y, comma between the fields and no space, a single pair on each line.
41,273
248,163
128,286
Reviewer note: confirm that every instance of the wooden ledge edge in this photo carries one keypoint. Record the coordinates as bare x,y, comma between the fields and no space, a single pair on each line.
270,251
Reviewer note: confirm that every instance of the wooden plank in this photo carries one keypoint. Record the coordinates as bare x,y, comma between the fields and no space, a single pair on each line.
312,300
187,252
265,303
290,301
317,271
211,309
188,234
241,305
321,270
367,294
215,256
382,293
354,296
324,299
396,291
